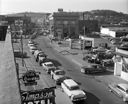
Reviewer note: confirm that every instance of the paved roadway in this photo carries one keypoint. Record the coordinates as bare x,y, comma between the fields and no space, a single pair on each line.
97,92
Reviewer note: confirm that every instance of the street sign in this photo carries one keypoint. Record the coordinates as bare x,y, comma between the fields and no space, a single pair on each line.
37,95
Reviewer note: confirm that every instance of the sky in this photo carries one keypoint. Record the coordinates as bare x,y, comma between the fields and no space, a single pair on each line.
16,6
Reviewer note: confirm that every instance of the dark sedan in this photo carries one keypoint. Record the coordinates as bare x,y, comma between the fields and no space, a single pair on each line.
93,68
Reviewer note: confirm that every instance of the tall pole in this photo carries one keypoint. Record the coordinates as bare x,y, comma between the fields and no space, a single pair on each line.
84,24
22,47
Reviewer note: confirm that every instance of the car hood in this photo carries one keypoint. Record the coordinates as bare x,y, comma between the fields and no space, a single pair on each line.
59,76
41,58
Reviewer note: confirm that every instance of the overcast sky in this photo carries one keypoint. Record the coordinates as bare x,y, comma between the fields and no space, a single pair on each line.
14,6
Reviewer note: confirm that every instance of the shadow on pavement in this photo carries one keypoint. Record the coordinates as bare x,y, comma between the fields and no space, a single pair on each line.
91,99
103,74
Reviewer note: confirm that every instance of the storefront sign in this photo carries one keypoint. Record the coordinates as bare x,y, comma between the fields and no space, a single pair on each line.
36,95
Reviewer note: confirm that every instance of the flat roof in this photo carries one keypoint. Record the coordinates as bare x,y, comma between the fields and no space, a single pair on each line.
121,54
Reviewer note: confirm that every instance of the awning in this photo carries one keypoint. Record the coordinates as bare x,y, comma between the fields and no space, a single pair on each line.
121,54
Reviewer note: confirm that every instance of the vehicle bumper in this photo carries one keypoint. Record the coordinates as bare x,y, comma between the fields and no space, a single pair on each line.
79,99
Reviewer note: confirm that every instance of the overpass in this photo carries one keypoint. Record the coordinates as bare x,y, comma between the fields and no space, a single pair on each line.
9,86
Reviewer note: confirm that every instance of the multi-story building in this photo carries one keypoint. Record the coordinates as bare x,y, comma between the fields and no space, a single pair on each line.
65,24
88,26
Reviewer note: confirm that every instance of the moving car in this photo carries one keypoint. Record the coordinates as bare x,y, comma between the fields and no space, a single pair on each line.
57,74
72,89
92,68
120,89
48,66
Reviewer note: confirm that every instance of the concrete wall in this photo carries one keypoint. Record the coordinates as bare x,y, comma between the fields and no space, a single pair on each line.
9,89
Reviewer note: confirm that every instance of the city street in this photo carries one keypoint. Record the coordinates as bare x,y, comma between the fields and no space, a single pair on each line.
97,91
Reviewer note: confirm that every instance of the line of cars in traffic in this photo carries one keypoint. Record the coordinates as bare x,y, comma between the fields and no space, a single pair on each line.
68,85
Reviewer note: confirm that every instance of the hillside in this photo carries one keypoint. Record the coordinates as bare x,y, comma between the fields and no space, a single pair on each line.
107,16
29,14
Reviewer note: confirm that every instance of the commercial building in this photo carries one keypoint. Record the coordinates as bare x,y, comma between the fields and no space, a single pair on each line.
94,41
65,24
88,26
121,63
114,31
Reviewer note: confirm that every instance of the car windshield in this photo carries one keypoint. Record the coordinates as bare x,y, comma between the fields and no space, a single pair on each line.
50,65
74,88
42,55
34,48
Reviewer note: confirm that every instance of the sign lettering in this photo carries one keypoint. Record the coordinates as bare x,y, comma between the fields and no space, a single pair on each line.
37,95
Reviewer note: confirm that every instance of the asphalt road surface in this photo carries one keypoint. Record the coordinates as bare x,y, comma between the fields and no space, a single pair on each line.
97,91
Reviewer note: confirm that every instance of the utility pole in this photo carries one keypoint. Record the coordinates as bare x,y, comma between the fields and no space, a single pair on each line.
21,33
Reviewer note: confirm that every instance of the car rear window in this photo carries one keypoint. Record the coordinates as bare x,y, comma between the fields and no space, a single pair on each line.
74,88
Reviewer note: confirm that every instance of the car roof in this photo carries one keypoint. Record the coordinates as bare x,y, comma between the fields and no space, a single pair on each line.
90,65
33,47
70,82
124,86
48,63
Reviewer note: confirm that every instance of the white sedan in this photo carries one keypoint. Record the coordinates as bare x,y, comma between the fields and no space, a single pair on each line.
120,89
48,66
33,49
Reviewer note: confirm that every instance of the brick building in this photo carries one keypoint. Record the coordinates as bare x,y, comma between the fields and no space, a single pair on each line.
65,24
88,26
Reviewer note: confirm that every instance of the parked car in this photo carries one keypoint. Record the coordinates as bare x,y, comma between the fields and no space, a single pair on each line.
123,46
41,58
48,66
94,59
120,89
60,80
36,54
30,41
33,49
107,62
57,74
72,89
92,68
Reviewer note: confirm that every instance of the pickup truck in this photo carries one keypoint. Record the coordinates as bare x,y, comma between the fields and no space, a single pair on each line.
57,74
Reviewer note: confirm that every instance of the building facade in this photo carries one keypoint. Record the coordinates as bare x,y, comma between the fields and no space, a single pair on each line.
121,63
114,31
88,26
65,24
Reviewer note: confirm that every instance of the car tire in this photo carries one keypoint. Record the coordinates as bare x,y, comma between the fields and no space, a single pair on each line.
40,64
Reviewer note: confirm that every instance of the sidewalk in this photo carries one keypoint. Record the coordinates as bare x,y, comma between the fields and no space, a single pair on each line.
77,59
